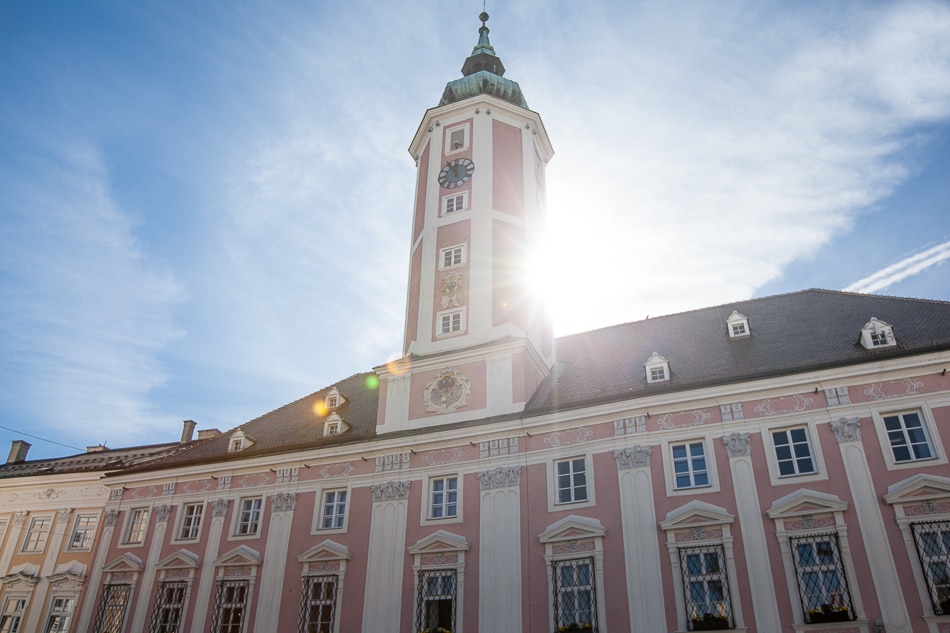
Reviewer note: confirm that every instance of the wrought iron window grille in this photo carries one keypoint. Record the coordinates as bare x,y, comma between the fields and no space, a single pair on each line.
575,596
822,584
932,540
706,588
436,600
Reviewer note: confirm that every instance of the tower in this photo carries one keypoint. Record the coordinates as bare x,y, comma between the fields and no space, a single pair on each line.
477,339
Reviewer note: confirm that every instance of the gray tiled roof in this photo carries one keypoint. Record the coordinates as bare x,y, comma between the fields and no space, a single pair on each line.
104,460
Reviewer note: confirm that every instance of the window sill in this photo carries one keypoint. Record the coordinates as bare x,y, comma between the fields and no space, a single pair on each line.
861,624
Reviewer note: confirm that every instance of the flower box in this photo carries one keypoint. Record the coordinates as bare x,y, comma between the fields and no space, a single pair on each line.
710,622
945,606
827,613
579,627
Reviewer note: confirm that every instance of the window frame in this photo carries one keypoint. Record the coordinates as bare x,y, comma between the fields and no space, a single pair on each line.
307,601
42,535
76,528
930,430
811,609
183,520
217,612
429,492
63,616
939,594
690,459
465,128
16,614
162,606
454,248
238,519
439,316
424,598
456,207
320,509
130,528
556,566
776,478
106,608
554,499
725,605
442,498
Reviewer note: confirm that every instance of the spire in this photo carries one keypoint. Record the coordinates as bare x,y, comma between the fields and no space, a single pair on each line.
483,73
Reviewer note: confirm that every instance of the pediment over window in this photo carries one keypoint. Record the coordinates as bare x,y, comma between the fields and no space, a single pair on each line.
333,399
335,425
126,562
182,559
738,325
806,502
877,333
657,368
919,487
440,541
327,550
240,555
696,514
21,578
572,528
72,571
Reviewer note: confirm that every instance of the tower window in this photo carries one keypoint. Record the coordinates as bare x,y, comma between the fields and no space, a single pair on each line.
451,322
452,256
456,138
455,202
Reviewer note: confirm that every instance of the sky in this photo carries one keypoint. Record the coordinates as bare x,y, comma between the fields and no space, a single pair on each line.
205,206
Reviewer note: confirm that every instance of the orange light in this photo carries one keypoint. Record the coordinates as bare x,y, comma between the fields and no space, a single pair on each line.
320,408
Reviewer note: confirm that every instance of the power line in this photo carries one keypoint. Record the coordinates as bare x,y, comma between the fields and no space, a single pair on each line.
42,439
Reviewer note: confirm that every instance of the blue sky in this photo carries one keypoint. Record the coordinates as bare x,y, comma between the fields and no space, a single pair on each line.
205,207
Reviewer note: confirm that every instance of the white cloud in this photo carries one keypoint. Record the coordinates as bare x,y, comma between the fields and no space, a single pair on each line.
907,267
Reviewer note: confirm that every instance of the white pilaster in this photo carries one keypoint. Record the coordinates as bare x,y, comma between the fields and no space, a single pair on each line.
386,558
13,537
95,577
37,602
499,557
219,513
499,381
161,512
275,559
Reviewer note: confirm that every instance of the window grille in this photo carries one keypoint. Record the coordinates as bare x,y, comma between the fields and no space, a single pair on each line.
435,601
229,606
169,606
115,599
575,596
933,547
317,604
706,588
821,580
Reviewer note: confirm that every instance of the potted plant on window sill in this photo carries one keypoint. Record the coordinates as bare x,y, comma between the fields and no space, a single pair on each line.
829,613
945,606
576,627
438,629
709,622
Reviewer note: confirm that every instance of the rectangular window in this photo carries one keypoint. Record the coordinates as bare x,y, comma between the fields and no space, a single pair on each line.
169,607
574,595
191,515
12,615
793,452
37,535
444,497
451,256
229,606
115,599
318,604
450,322
84,531
250,520
821,580
933,547
456,138
689,465
334,509
571,478
454,202
657,374
138,524
908,437
706,588
435,602
60,615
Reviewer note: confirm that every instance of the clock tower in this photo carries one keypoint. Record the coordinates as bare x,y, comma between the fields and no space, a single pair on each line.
478,340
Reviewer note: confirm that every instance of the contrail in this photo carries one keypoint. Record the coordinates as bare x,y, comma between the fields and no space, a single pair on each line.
903,269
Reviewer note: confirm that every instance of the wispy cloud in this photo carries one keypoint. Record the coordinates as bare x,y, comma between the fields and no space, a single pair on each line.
907,267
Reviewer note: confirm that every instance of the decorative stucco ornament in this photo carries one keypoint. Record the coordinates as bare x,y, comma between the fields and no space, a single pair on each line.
162,512
737,444
283,501
637,456
390,491
447,392
451,291
501,477
846,430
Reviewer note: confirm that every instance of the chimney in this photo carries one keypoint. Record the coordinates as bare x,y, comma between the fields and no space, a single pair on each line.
18,451
188,432
98,448
205,434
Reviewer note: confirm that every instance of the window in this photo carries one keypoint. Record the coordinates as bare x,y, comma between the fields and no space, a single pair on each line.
169,606
332,428
237,444
907,437
657,368
84,530
444,497
191,515
571,480
877,333
657,374
793,452
450,322
115,599
334,509
435,602
575,599
229,606
738,325
37,534
60,615
689,465
705,588
821,580
318,603
138,524
332,401
932,541
452,256
455,202
12,615
249,521
456,138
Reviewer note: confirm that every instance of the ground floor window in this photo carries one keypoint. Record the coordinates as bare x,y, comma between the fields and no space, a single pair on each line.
706,588
318,604
435,605
115,600
575,597
230,606
933,547
169,607
821,580
60,615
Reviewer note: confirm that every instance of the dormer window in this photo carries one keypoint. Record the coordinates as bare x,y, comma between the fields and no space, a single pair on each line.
239,441
738,325
334,425
877,333
657,368
333,399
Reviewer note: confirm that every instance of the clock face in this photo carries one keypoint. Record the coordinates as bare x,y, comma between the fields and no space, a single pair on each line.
456,172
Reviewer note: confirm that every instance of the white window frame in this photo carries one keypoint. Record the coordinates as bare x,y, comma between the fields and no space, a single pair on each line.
184,522
239,522
465,128
448,314
424,597
775,476
877,334
88,530
220,605
60,613
819,567
738,325
14,610
711,465
458,200
236,445
430,495
457,252
572,538
42,534
101,612
161,604
135,526
320,510
930,430
693,471
308,600
554,503
657,369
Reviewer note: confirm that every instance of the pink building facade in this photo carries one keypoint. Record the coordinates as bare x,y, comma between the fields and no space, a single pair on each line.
777,464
